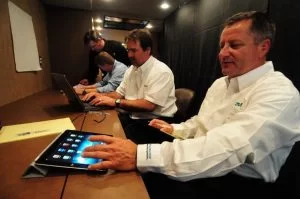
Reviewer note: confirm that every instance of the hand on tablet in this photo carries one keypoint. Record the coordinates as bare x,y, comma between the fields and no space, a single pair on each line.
117,153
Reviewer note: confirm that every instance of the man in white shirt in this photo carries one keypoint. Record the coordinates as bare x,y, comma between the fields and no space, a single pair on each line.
146,92
243,134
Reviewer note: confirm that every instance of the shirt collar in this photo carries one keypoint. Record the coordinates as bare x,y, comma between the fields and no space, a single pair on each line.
249,78
115,64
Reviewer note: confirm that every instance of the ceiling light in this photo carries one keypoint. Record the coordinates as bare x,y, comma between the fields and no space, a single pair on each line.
149,26
98,20
98,28
123,23
164,6
114,19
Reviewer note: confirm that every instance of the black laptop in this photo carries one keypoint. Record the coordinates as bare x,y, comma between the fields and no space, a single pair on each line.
63,84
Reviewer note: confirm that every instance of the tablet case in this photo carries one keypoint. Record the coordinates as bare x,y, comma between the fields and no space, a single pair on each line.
35,171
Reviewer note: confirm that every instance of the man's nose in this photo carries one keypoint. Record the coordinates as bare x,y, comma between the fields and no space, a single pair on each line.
223,52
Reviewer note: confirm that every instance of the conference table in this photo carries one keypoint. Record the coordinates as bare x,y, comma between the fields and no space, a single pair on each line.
16,156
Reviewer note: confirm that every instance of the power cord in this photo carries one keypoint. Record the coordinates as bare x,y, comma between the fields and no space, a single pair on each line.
100,113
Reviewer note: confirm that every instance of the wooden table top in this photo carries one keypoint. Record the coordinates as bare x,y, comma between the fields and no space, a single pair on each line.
16,156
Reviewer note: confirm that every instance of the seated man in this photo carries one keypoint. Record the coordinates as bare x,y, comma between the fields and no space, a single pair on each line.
243,134
115,71
147,91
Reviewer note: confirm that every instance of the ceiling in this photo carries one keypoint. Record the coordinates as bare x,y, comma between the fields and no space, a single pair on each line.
134,9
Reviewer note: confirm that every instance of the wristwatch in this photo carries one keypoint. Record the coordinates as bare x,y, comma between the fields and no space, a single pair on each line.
118,102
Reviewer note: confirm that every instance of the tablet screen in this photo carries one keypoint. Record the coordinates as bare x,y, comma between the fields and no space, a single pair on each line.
66,151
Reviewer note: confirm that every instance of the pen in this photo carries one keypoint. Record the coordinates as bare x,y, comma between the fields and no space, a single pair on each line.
25,133
32,132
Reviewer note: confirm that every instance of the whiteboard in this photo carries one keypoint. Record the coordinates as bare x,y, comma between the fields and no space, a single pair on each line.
24,41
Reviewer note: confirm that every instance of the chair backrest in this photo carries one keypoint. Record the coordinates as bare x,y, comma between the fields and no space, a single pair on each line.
288,182
184,98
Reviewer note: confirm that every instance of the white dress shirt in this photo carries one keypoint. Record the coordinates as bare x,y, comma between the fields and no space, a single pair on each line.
246,125
152,81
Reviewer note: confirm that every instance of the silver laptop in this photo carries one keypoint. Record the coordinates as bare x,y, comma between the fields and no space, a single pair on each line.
63,84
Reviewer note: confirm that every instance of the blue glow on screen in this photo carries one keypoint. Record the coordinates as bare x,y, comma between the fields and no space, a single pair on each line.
77,158
71,148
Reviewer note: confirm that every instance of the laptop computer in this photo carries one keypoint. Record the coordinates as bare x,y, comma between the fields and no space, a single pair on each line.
74,100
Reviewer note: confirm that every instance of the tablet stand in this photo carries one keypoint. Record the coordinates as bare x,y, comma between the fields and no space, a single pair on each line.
35,171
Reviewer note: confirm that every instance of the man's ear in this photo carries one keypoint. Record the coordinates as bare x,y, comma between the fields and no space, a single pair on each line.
264,47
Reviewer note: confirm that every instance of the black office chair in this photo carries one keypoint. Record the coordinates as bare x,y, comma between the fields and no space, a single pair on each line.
287,184
184,98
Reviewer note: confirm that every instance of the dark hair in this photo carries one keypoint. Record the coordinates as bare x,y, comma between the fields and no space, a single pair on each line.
104,58
143,36
91,35
262,27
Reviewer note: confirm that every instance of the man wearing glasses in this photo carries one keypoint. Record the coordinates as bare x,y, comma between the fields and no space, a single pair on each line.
115,71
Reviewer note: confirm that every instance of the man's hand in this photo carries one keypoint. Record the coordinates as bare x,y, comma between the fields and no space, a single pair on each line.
90,96
84,82
103,100
79,90
117,153
161,125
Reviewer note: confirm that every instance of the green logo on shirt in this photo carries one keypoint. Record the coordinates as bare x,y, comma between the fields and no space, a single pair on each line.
239,104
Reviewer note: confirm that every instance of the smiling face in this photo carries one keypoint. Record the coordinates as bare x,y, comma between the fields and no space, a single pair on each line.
239,53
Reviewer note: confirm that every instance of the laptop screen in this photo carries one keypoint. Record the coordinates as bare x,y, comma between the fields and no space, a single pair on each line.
63,84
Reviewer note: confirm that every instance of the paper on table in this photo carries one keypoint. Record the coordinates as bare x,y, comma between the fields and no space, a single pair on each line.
34,129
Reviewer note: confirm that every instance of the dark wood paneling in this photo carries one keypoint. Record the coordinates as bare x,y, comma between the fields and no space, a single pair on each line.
68,53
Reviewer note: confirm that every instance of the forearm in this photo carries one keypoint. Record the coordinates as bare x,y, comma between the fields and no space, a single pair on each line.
89,90
138,105
189,128
90,86
109,87
185,160
113,94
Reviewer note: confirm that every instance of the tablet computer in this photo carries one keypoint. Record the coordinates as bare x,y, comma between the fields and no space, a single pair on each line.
66,149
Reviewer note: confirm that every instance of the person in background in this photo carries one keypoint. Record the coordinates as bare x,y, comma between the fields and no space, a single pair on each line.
241,137
146,92
97,44
115,71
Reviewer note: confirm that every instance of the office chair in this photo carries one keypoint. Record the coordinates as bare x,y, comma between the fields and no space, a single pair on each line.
288,182
184,98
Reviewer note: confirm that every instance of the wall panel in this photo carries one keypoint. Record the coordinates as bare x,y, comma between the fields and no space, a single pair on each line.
13,85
